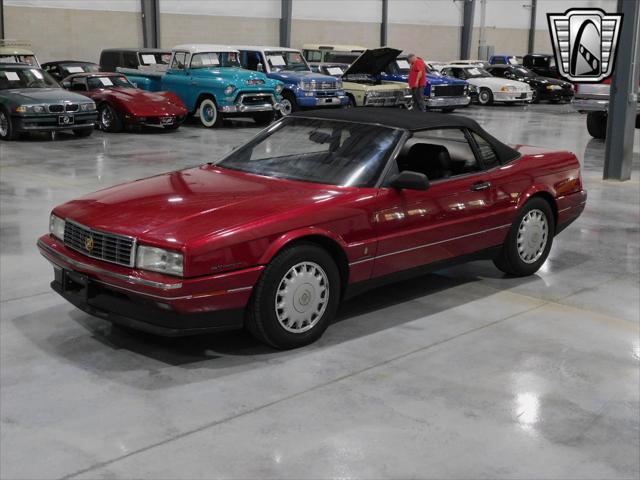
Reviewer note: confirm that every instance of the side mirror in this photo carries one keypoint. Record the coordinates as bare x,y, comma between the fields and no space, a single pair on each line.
409,180
260,67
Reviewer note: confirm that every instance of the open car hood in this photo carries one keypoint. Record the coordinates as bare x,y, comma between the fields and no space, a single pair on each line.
373,61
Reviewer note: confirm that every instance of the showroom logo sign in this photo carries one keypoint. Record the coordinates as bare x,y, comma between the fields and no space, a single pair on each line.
584,42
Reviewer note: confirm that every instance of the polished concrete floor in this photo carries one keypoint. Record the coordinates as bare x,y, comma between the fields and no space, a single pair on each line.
459,374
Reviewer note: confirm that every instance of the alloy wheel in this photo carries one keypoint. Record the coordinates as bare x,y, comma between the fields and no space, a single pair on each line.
106,118
302,297
4,124
285,107
533,234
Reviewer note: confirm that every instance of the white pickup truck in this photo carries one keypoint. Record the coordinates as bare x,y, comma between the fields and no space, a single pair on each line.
593,99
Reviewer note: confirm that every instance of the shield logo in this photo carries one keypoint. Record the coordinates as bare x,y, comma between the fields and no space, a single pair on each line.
88,243
584,42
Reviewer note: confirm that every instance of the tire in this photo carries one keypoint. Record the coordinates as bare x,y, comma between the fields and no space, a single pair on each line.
272,325
351,103
535,97
597,124
529,240
83,132
485,97
109,119
264,118
208,113
288,104
7,131
637,121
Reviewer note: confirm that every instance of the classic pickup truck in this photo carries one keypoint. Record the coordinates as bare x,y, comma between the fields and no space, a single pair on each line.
318,53
212,85
139,58
441,92
505,60
15,51
302,88
593,99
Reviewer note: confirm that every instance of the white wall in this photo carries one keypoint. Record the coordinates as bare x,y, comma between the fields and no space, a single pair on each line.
223,8
103,5
338,10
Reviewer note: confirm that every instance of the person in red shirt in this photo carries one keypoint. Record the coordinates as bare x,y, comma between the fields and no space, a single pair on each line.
417,81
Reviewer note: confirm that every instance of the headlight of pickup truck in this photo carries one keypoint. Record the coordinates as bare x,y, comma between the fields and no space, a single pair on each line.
278,88
87,107
339,85
56,227
159,260
229,89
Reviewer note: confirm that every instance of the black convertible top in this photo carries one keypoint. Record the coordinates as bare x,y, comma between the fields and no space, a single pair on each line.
411,120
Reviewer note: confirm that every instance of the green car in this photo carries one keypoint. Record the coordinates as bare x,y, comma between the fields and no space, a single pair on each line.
32,101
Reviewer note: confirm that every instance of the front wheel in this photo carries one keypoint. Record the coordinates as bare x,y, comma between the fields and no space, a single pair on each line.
597,124
6,126
535,96
288,104
485,97
529,241
296,297
208,113
109,119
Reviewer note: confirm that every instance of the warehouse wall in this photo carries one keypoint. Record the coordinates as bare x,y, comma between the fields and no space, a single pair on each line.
68,29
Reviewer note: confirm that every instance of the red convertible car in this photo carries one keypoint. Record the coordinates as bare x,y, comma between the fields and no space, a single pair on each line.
120,104
317,207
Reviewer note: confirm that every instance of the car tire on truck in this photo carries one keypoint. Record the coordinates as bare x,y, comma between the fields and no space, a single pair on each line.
208,113
597,124
288,104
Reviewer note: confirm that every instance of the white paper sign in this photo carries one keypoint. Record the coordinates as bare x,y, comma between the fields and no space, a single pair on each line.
149,59
13,76
106,81
474,71
403,64
276,60
74,69
37,73
335,71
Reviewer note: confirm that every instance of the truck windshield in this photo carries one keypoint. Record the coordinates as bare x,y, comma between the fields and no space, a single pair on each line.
214,59
25,78
28,59
318,151
292,61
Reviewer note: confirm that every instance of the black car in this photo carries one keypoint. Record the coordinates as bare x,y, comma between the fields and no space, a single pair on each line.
113,58
542,63
63,68
544,88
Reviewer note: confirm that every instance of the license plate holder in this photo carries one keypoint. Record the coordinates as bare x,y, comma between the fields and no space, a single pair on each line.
75,283
66,120
167,120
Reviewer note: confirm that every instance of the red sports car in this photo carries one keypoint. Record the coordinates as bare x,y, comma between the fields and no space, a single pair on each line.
317,207
120,104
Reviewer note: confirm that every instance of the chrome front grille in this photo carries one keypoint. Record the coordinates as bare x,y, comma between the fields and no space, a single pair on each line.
448,90
105,246
326,86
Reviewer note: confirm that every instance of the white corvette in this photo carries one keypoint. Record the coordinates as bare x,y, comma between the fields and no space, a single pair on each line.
489,89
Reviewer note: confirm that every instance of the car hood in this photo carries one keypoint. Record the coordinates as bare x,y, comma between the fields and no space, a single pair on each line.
549,81
43,95
495,82
292,76
175,208
135,97
373,61
385,86
432,78
238,76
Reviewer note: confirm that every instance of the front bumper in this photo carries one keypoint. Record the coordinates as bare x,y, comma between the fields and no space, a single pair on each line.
328,101
545,94
252,103
54,121
513,96
148,301
388,101
155,120
440,102
591,104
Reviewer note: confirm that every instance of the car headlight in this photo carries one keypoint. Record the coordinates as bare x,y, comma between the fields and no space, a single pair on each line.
21,109
37,109
159,260
278,88
56,227
508,88
87,107
229,89
339,85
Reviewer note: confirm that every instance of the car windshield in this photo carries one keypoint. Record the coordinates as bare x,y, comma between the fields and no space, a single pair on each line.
109,81
155,58
318,151
25,78
70,68
214,59
28,59
279,61
476,72
402,66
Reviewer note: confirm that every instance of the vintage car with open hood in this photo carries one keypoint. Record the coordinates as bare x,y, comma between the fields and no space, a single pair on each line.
211,83
490,89
32,101
121,105
364,87
302,88
316,208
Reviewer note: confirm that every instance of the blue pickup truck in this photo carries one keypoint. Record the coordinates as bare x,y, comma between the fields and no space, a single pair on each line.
302,88
505,60
211,83
440,93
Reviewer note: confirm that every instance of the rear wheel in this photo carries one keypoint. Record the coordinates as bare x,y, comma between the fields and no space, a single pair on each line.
529,241
83,132
6,126
597,124
296,297
109,119
535,97
485,97
208,113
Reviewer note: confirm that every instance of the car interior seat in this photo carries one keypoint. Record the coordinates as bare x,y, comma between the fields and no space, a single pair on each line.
431,159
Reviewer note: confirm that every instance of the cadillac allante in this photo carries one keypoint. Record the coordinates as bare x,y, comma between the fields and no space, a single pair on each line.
317,207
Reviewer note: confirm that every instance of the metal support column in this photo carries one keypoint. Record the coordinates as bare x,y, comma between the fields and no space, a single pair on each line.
623,100
385,23
1,19
532,26
467,28
285,22
151,23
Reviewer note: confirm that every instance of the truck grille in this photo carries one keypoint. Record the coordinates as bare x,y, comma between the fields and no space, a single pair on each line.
101,245
448,90
256,98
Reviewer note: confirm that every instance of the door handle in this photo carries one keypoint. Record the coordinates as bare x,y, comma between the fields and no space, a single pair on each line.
480,186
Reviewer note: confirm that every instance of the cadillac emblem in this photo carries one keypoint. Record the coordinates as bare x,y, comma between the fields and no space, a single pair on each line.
88,243
584,42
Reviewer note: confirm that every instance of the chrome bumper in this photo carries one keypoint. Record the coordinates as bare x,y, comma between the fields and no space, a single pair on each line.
268,104
381,101
435,102
600,104
513,96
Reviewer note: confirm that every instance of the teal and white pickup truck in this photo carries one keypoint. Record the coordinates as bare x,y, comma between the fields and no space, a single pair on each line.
210,82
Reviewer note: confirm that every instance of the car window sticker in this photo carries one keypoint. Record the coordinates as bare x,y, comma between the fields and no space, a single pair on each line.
106,81
149,59
74,69
335,71
276,60
403,64
13,76
37,73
